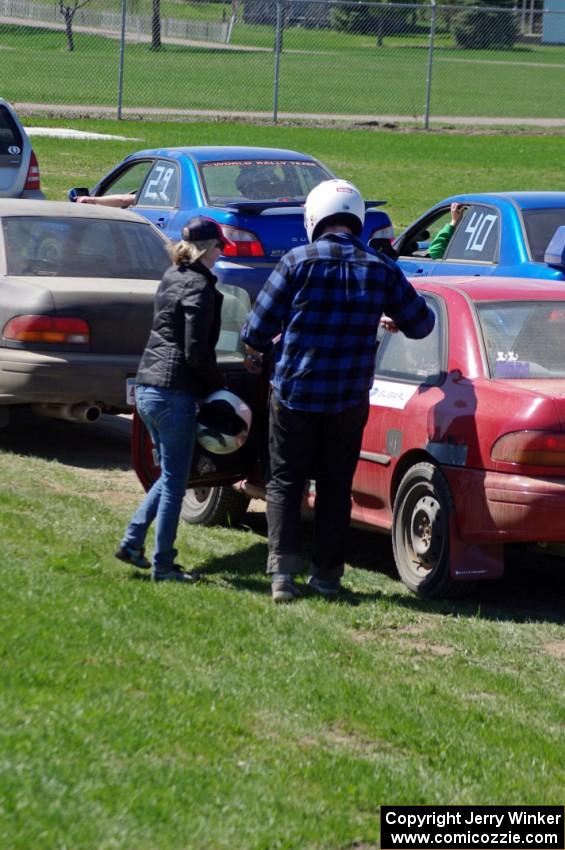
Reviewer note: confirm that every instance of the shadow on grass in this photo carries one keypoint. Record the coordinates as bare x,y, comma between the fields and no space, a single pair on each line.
104,444
530,590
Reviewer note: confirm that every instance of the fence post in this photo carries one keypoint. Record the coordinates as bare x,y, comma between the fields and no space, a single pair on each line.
121,65
430,65
278,50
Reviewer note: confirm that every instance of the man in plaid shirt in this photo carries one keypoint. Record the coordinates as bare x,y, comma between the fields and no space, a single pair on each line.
326,300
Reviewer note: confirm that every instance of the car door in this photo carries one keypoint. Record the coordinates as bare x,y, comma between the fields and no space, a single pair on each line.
207,468
158,198
408,374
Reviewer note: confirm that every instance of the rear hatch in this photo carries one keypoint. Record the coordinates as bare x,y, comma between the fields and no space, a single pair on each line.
280,226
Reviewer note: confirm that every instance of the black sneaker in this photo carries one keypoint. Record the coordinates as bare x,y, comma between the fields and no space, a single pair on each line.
283,588
176,573
136,557
329,588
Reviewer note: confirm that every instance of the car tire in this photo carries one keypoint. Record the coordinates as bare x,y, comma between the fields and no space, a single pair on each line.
420,532
214,506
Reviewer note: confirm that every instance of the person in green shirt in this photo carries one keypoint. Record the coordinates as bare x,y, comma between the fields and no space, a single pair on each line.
440,242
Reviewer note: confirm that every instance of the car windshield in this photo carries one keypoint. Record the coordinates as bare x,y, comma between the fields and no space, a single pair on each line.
524,339
265,180
540,227
83,247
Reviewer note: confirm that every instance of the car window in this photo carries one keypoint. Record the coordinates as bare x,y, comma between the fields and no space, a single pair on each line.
128,180
540,227
235,309
415,243
420,360
524,339
83,247
162,185
476,237
265,180
11,140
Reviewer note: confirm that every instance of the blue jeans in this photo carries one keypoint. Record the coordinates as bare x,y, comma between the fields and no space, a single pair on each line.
170,417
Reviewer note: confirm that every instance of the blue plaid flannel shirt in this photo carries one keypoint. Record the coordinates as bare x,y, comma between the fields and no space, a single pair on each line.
326,300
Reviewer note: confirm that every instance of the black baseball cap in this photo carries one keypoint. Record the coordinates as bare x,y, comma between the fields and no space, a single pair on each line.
202,229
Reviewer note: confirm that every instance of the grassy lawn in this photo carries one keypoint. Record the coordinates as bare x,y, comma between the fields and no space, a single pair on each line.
410,170
202,718
346,74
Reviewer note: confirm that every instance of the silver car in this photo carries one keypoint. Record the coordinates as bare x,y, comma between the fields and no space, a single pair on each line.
77,285
19,169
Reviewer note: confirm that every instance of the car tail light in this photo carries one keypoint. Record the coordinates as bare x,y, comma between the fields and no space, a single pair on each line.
246,242
383,233
33,179
47,329
534,448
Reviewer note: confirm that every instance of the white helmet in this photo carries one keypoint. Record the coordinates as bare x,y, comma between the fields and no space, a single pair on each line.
223,423
334,198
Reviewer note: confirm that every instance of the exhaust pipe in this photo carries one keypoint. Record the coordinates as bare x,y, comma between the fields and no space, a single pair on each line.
82,412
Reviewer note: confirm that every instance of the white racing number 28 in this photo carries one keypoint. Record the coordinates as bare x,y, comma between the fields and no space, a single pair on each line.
479,227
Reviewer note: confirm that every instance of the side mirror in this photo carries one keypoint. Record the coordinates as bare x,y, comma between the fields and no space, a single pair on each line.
75,193
555,251
383,246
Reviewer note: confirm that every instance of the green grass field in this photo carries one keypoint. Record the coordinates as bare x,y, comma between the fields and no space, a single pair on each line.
409,170
333,74
205,717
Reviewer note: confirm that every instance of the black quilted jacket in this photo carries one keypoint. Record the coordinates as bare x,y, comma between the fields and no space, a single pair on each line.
180,352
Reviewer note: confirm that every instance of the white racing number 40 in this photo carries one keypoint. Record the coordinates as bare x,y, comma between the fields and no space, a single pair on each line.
479,227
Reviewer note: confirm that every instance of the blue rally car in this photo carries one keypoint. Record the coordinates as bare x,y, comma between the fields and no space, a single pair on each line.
255,194
504,233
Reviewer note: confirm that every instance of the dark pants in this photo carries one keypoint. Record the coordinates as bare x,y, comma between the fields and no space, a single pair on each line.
324,446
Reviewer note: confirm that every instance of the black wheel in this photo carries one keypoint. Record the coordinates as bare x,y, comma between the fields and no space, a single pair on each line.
214,506
420,531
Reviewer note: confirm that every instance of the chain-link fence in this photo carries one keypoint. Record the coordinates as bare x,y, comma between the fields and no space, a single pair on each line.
274,59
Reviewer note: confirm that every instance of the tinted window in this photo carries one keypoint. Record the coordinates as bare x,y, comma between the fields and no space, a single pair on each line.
404,359
476,237
161,187
11,142
83,247
267,180
540,227
524,339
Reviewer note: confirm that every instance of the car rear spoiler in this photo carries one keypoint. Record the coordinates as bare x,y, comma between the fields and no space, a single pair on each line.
555,251
259,207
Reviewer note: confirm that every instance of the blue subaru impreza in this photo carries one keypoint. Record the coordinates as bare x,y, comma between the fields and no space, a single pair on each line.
255,194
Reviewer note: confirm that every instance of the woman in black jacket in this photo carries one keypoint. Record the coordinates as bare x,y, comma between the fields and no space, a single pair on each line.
177,368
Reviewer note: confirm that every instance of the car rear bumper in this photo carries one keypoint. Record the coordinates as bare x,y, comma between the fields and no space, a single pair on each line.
494,507
65,378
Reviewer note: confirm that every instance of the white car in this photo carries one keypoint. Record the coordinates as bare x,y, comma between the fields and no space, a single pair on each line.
19,169
77,286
